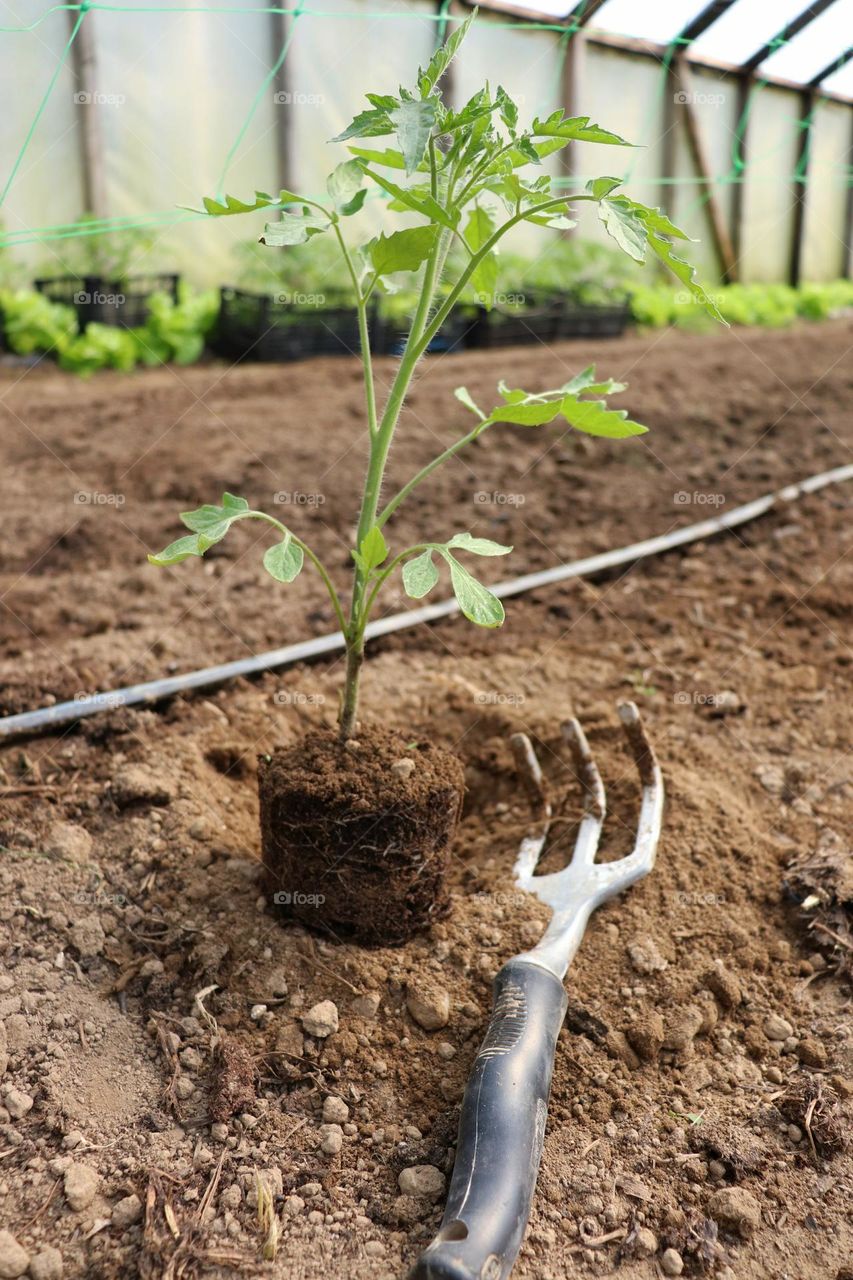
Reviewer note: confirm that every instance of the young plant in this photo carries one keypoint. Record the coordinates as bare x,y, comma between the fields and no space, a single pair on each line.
469,176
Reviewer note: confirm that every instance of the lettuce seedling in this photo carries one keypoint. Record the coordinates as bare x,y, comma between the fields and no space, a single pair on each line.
469,176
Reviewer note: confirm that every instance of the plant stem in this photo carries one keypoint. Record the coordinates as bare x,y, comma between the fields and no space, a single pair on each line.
349,699
400,497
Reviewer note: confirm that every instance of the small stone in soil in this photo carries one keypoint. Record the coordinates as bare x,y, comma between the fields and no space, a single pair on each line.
736,1210
335,1110
645,1242
724,985
134,784
644,955
18,1103
81,1186
428,1006
422,1181
68,841
127,1211
671,1263
47,1264
293,1205
403,768
776,1028
366,1006
87,935
331,1139
321,1020
14,1258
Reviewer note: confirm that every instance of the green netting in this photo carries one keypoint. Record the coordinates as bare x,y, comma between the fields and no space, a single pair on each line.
564,32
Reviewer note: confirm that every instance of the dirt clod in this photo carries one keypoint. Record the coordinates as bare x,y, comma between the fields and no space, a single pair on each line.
429,1005
422,1181
14,1258
736,1210
234,1080
81,1185
321,1020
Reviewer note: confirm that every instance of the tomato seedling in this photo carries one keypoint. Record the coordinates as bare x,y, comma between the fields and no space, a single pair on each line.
470,176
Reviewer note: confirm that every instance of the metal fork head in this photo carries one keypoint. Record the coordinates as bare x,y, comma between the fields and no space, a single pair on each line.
575,892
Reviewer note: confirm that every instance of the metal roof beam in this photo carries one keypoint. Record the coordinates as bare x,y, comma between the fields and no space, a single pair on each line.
840,61
703,21
794,27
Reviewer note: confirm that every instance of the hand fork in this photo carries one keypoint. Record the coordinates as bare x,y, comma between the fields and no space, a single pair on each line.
502,1125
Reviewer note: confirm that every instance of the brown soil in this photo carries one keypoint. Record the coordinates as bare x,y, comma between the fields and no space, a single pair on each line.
356,836
136,941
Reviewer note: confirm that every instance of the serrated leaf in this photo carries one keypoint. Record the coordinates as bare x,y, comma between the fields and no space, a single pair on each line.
413,122
478,231
507,108
192,544
345,185
372,551
686,273
419,575
442,58
293,229
402,250
231,205
575,129
478,604
595,419
478,546
585,382
390,158
368,124
512,395
625,227
417,201
284,560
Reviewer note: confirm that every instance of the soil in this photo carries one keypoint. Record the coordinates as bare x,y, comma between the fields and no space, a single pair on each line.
356,835
702,1086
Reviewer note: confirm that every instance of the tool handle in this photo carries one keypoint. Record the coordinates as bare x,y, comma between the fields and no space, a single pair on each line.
501,1131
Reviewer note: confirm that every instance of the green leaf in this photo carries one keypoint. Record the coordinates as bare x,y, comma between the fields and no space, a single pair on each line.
369,124
478,546
293,229
390,158
575,129
417,201
686,273
508,110
372,551
601,187
585,382
419,575
479,230
442,58
595,419
221,209
192,544
402,250
345,186
214,522
284,560
477,603
413,122
626,228
464,397
529,414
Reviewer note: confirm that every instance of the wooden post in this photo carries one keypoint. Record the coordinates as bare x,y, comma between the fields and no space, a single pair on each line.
847,237
722,240
744,89
807,102
669,124
282,88
84,66
571,94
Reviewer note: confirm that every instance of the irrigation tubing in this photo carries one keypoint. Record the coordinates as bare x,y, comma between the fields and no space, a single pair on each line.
64,713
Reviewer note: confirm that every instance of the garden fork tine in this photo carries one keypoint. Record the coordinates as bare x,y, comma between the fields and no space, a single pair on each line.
502,1126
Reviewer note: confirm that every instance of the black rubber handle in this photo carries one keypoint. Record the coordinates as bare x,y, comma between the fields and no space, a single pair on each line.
501,1131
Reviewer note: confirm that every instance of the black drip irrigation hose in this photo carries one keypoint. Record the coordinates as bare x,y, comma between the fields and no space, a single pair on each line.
63,713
